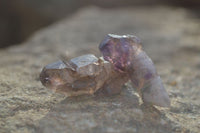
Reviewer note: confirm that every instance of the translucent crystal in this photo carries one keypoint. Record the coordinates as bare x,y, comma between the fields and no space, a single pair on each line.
127,56
82,75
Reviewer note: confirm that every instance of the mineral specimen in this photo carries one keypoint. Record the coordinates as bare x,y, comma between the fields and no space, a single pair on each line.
82,75
126,54
123,59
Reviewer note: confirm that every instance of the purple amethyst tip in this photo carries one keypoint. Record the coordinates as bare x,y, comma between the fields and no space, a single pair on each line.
117,49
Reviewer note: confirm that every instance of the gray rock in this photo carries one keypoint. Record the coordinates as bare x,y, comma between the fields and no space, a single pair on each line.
169,36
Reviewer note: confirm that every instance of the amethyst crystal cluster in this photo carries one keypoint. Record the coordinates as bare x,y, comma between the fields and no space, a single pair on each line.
123,60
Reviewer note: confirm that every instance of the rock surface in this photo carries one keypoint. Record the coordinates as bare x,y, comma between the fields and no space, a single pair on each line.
170,36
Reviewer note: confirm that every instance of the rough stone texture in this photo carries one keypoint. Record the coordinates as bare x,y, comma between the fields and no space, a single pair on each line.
170,36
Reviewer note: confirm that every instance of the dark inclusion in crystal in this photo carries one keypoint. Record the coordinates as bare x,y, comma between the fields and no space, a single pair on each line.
123,60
